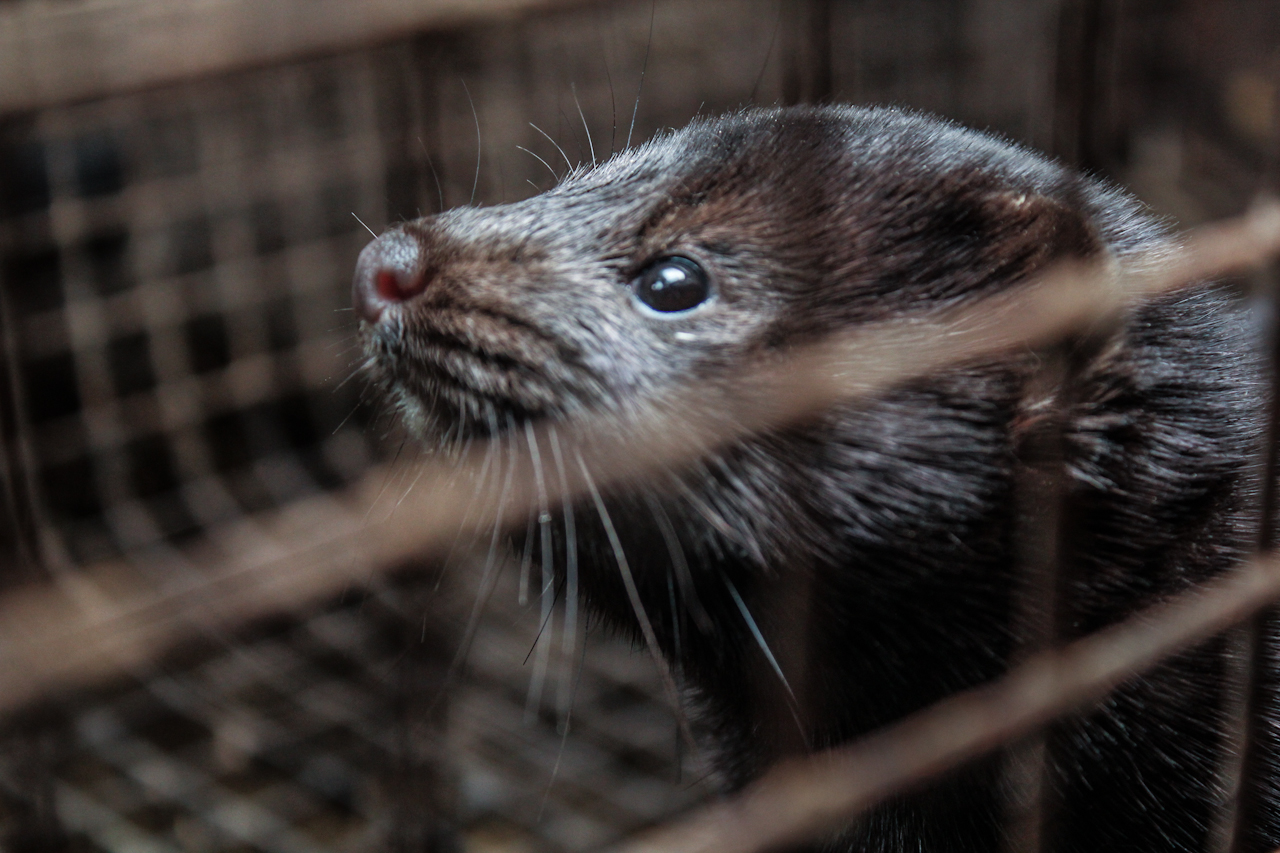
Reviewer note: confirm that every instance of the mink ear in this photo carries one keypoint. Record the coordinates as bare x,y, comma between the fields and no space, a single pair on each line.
1031,231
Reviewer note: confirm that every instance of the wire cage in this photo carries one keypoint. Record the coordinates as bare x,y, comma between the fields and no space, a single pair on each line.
174,270
179,370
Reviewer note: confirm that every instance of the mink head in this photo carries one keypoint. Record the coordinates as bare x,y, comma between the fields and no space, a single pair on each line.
673,264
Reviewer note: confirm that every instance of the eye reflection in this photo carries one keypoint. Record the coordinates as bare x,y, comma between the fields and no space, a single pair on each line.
671,285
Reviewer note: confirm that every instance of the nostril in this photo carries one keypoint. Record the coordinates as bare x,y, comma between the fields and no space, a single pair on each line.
390,271
394,288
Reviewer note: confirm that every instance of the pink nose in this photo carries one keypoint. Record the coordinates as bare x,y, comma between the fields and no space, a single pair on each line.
389,271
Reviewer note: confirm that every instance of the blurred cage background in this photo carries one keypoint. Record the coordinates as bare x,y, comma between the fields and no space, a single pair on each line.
183,191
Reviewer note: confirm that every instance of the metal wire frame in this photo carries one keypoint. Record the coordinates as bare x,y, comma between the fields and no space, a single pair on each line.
1038,563
312,548
1257,711
178,257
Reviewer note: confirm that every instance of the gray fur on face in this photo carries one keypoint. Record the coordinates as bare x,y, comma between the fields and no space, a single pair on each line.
528,306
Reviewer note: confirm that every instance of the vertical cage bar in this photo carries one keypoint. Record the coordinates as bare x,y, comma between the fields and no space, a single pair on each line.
808,76
25,540
1039,487
1246,826
1257,744
1041,482
1041,559
18,539
1084,131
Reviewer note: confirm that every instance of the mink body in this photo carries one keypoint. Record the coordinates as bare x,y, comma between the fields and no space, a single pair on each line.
874,546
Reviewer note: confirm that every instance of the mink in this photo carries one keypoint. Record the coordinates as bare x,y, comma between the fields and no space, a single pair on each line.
817,581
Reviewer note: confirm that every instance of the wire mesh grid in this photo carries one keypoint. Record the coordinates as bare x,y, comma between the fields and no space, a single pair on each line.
174,270
184,283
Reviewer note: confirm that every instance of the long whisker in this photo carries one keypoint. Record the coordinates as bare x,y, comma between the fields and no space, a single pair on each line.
540,160
488,577
764,647
565,698
366,227
526,561
475,184
492,553
481,483
386,483
542,644
422,469
542,627
688,592
679,656
635,109
573,87
564,730
436,177
628,581
613,103
491,417
343,422
564,119
354,373
764,66
544,535
567,161
675,625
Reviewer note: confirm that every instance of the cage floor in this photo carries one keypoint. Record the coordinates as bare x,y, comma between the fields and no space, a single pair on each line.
337,732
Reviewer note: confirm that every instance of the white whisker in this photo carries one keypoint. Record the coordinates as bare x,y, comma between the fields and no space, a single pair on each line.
434,175
475,184
629,582
538,679
488,577
590,145
644,67
366,227
565,698
540,160
567,161
688,592
794,704
564,730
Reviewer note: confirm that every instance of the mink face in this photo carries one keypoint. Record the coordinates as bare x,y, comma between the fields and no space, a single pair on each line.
817,582
779,227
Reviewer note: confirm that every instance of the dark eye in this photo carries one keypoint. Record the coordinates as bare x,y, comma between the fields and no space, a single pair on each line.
672,284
